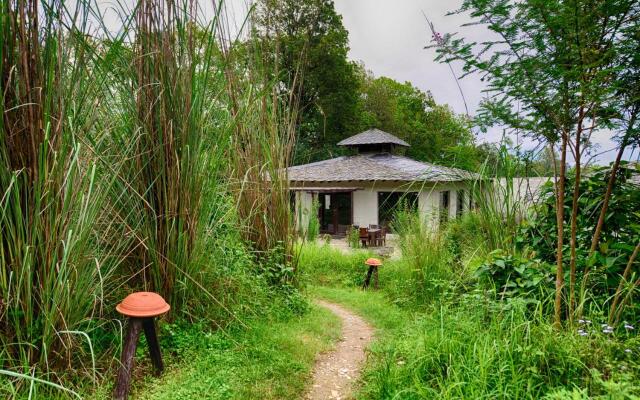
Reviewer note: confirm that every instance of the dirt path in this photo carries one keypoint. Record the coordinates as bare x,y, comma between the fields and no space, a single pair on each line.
336,371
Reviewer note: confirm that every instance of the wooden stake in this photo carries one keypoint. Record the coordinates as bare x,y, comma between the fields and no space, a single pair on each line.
134,327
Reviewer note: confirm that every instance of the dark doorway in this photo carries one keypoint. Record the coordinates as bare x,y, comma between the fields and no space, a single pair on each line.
390,202
444,206
335,212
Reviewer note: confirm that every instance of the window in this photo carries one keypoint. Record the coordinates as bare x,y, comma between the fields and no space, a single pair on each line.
460,202
444,206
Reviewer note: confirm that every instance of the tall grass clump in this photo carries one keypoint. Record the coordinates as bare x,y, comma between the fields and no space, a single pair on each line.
53,274
478,348
498,201
166,123
426,257
263,131
329,266
313,228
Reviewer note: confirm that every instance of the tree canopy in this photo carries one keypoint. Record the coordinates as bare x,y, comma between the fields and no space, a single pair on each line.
339,98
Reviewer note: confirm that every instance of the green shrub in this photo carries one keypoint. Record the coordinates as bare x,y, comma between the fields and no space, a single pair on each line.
517,276
467,241
353,237
313,228
620,233
426,257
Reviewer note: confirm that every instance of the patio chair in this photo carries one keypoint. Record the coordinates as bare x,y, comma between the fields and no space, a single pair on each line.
382,237
364,236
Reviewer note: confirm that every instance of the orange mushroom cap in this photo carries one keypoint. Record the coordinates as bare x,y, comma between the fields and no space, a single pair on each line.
143,304
373,261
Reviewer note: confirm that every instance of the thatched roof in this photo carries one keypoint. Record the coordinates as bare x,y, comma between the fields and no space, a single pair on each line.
372,136
375,167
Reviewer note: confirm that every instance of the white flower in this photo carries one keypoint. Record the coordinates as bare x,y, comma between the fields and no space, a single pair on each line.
582,333
627,350
628,327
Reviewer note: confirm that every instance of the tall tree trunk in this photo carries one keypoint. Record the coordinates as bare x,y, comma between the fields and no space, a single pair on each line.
610,185
560,186
605,203
623,279
574,218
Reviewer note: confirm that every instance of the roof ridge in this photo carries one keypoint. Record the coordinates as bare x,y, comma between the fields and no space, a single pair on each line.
372,136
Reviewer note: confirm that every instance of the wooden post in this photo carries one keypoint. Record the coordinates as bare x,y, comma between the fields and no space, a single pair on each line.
134,327
154,347
368,278
375,278
141,308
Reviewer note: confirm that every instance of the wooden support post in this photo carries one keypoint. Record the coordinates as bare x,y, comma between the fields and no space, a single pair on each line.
375,278
154,347
368,278
141,308
134,327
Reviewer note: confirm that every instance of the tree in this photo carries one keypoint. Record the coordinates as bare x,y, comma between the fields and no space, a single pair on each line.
436,133
310,47
552,75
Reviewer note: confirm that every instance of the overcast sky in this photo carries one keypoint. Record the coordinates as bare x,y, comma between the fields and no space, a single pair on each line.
389,37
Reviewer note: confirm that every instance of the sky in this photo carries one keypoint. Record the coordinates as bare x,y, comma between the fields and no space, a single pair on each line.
389,38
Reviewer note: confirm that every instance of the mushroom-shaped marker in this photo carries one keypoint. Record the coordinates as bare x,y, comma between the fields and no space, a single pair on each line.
373,264
141,308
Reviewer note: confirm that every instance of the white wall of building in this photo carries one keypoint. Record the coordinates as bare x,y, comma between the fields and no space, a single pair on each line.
365,207
304,203
365,200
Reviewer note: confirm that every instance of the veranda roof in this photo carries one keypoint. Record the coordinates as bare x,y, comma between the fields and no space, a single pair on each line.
324,189
372,136
376,167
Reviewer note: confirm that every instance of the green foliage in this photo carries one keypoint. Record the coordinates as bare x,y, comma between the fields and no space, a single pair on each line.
54,271
477,347
466,240
425,255
271,360
339,98
620,234
353,237
117,173
326,265
435,133
313,228
536,61
310,47
481,349
517,276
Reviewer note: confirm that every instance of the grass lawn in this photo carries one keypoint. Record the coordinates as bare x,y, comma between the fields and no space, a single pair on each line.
370,305
271,360
468,351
